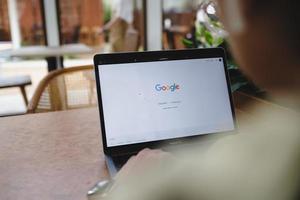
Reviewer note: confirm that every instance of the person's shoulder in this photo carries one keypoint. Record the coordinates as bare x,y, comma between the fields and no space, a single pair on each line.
263,154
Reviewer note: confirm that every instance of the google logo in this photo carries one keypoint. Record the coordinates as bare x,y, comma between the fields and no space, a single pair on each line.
165,88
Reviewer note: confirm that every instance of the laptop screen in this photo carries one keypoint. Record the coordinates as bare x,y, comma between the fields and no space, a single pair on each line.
154,101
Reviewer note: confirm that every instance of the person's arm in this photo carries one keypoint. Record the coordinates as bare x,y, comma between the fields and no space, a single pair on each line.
111,23
137,166
124,11
147,158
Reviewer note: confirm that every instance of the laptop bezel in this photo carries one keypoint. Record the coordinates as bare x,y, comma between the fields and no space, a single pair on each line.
154,56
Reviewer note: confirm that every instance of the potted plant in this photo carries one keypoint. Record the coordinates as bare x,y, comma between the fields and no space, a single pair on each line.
202,37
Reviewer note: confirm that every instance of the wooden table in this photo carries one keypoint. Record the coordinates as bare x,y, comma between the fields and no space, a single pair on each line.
49,52
5,45
50,156
46,51
58,156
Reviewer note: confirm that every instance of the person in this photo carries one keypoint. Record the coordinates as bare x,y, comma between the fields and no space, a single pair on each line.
122,20
262,161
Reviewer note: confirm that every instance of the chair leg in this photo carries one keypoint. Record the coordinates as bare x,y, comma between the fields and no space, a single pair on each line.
23,91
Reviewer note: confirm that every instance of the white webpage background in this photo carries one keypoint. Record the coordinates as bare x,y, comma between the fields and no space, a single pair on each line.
135,112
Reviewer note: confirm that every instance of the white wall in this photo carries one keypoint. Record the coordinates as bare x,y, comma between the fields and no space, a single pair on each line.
14,23
51,23
154,25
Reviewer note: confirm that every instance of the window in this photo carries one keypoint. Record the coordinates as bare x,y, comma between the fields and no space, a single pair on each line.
4,21
80,21
31,22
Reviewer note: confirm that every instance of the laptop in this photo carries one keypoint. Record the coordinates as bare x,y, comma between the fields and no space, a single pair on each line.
150,99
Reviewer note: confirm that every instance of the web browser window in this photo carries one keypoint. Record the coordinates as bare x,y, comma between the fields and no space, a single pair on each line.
153,101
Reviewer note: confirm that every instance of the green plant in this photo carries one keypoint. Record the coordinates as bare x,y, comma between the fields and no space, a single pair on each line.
203,38
107,11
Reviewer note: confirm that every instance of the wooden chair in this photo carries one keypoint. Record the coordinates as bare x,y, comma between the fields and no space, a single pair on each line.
16,81
65,89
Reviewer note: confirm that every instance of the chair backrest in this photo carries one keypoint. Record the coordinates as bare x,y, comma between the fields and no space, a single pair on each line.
65,89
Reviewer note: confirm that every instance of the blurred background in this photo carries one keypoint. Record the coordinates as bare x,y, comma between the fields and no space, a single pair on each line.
40,36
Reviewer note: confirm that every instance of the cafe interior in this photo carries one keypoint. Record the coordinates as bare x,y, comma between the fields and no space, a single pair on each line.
50,132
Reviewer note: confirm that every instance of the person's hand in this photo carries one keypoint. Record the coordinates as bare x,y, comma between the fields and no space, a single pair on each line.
146,160
137,166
